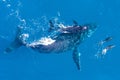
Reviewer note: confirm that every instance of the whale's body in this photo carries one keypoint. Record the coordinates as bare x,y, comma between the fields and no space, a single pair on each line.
68,38
62,43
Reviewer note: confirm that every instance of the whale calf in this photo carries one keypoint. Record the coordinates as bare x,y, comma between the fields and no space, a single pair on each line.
67,38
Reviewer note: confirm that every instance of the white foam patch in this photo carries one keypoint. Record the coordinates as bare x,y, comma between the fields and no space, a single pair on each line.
24,37
43,41
61,25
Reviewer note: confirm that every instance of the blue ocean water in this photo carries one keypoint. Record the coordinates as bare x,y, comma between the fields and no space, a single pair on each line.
26,64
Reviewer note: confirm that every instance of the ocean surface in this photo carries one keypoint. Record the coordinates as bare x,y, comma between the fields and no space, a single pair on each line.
33,15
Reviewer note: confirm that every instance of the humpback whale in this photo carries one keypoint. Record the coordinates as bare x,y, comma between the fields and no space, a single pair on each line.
67,38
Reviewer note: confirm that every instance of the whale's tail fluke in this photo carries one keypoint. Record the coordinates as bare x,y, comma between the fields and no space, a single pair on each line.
14,45
18,41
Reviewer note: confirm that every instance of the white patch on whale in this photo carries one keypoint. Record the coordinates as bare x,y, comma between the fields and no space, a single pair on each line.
43,41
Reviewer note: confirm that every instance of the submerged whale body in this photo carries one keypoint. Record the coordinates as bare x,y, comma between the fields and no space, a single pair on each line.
68,38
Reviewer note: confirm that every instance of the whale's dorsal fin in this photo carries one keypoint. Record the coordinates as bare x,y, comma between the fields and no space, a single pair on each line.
76,58
75,23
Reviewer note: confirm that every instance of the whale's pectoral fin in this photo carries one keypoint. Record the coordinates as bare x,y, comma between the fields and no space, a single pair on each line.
51,25
75,23
76,58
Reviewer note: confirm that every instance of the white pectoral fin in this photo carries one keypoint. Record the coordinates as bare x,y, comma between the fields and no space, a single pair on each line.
76,58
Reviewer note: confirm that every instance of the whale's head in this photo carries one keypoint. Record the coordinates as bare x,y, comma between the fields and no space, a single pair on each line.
88,30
